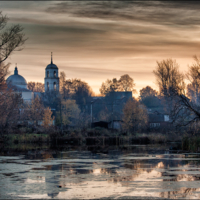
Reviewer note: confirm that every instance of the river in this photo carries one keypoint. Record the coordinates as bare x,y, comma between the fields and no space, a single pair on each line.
137,171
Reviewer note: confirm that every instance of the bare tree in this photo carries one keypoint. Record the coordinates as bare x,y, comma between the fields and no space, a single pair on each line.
183,111
11,38
109,86
125,83
147,91
65,85
169,79
33,111
31,85
70,112
36,86
135,116
149,97
193,75
3,73
9,110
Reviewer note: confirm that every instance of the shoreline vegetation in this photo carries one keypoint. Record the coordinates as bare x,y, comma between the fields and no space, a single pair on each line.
181,142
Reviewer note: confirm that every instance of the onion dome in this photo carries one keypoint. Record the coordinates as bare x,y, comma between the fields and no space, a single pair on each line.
16,80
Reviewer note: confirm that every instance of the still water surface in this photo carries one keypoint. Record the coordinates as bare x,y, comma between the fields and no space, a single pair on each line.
131,172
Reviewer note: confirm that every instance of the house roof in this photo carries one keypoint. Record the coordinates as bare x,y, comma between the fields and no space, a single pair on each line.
155,118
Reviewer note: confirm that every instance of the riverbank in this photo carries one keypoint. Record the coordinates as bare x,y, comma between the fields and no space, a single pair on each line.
95,136
29,141
100,137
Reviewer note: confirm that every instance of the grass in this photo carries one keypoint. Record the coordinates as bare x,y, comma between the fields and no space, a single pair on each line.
25,147
78,136
158,138
27,138
191,143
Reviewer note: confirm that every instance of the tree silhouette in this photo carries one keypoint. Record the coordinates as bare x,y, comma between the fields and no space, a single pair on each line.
124,84
135,116
36,86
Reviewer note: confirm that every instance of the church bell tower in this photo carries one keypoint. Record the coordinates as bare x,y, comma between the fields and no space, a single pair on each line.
51,79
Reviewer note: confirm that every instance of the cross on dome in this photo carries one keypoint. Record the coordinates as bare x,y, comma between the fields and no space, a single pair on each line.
51,58
16,70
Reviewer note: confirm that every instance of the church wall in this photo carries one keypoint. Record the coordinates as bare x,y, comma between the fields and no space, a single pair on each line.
27,96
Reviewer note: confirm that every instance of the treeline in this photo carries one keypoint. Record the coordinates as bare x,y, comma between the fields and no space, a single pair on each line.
181,99
72,105
178,95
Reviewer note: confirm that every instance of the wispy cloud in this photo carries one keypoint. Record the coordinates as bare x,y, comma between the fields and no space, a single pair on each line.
157,12
101,38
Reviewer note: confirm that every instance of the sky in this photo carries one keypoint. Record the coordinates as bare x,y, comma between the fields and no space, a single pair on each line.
99,40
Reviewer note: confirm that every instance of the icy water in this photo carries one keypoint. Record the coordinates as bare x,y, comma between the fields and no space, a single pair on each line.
119,172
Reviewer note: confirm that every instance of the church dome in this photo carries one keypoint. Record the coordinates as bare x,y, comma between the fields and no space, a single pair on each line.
51,66
16,80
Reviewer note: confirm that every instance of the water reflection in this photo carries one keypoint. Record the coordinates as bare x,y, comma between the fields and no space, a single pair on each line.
138,171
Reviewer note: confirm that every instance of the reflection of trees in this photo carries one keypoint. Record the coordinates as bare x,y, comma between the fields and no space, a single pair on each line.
52,181
108,171
181,193
156,170
52,185
127,172
142,170
138,169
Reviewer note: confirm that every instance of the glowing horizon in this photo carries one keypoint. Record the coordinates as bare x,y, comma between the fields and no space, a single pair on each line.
95,41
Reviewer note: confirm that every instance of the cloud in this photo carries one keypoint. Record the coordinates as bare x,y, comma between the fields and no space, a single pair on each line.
96,40
155,12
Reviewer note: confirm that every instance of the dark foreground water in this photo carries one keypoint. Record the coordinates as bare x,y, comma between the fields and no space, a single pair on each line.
106,172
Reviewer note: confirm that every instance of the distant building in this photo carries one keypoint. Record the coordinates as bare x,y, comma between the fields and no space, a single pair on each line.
18,84
51,79
115,124
114,96
158,120
102,124
112,105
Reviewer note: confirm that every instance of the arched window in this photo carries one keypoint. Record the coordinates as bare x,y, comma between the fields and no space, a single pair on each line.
47,86
54,73
47,74
54,86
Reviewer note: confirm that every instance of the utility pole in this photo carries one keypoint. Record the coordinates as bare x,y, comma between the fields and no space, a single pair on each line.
113,110
61,114
91,113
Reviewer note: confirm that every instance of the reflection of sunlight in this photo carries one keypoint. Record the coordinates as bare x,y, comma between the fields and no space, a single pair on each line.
94,189
100,189
41,180
136,181
35,196
96,171
160,165
122,178
181,193
185,177
145,176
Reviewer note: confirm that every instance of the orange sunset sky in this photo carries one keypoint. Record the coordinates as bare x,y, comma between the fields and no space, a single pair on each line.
99,40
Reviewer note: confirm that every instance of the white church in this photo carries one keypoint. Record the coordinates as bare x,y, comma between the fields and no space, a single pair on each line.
19,84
